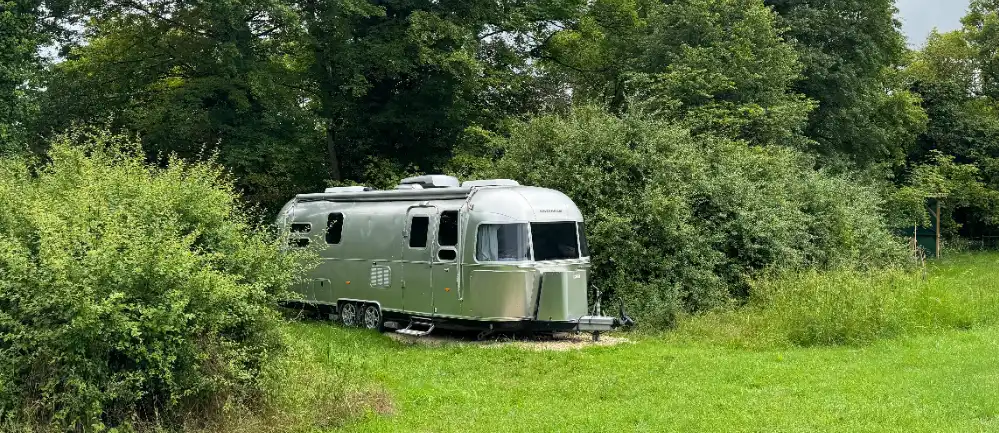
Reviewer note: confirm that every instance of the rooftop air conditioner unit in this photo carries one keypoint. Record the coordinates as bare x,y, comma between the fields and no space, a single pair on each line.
410,186
432,181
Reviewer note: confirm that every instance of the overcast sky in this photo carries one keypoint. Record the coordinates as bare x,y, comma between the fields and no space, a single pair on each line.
920,16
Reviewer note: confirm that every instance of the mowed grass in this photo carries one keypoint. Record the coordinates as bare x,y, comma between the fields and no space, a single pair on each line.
941,380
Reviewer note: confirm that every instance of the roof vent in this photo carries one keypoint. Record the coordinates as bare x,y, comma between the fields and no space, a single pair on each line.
343,189
432,181
409,186
489,182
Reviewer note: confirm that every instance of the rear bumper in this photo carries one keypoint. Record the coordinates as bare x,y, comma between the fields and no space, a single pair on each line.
597,323
583,324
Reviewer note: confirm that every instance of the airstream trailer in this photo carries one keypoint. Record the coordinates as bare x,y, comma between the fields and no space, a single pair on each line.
487,255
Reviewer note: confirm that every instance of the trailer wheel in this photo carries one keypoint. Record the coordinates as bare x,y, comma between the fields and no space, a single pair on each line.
349,314
373,318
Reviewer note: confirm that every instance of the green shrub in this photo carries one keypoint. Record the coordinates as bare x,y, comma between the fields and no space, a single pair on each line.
680,223
129,294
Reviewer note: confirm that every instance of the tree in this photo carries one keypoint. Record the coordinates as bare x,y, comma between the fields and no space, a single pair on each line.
963,127
194,78
851,51
981,29
19,62
948,187
295,95
403,80
718,67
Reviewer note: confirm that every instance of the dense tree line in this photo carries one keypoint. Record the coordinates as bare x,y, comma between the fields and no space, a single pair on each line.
296,95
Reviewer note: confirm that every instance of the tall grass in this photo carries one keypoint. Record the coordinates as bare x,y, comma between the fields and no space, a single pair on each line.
306,389
849,307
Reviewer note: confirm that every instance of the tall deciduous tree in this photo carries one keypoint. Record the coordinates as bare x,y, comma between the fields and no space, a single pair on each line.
194,77
851,51
718,67
19,40
964,121
981,27
295,94
404,79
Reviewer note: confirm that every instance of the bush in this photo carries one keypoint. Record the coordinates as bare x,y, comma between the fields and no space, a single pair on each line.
680,224
129,294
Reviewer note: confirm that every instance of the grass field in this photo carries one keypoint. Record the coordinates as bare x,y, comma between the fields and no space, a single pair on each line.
940,380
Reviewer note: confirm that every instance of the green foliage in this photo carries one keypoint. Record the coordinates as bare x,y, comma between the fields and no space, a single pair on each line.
295,94
982,32
850,51
403,80
130,294
717,67
954,185
958,150
679,223
850,307
725,69
963,122
19,63
845,307
205,80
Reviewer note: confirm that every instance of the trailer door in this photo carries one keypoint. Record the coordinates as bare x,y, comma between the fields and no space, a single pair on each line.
418,241
447,300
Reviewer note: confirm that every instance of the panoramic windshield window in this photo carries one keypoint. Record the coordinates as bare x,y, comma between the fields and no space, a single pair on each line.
555,241
502,242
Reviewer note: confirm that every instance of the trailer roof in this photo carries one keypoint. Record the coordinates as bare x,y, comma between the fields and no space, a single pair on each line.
389,195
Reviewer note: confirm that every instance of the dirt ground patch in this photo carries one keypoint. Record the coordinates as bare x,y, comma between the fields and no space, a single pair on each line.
556,342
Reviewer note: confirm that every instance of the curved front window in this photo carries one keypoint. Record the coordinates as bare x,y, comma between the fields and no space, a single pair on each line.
555,240
562,240
502,243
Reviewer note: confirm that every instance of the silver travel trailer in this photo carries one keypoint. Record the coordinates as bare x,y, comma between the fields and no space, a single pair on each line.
488,255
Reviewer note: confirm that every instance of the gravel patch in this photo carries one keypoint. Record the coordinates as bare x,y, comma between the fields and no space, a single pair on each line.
557,342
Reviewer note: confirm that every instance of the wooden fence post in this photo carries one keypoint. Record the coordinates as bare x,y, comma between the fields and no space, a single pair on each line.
938,228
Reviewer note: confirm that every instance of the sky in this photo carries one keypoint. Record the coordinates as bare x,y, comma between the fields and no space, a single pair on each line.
919,17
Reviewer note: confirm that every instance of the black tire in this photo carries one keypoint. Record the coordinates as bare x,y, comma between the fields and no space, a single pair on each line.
350,314
372,318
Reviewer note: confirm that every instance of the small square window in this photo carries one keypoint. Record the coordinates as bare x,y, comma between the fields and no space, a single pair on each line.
301,227
334,228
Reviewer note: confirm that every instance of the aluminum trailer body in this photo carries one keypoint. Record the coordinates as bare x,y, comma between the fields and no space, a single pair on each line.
483,255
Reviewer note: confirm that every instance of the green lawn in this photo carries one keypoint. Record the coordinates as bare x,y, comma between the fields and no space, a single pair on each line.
945,381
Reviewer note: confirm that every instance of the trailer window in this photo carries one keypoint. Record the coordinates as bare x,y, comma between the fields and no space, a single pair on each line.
334,228
555,241
447,231
418,228
301,227
502,242
584,247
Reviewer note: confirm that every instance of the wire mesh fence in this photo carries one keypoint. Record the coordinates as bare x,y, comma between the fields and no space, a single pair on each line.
983,243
